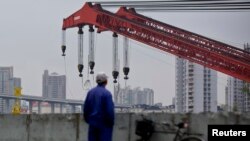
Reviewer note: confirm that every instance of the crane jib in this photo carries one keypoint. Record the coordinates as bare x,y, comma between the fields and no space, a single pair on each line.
191,46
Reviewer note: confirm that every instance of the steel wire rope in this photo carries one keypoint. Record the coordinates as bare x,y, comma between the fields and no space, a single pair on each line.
160,1
182,11
152,49
187,5
220,5
240,4
183,2
82,85
118,78
224,8
195,10
82,81
171,65
85,84
66,76
143,46
129,52
95,50
120,50
220,79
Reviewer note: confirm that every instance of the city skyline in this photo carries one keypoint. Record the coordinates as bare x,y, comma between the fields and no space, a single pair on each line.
133,96
235,86
31,40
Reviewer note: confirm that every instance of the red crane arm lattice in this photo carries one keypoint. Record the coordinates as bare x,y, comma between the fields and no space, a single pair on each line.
207,54
186,36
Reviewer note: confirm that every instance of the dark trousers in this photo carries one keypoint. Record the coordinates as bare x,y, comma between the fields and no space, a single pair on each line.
100,133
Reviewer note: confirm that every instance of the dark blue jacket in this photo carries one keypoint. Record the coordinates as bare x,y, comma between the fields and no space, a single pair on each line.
99,107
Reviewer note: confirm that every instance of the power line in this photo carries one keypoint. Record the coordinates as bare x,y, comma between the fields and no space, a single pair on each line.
168,1
192,9
181,5
178,4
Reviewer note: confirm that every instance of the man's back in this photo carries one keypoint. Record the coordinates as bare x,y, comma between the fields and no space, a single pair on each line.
99,107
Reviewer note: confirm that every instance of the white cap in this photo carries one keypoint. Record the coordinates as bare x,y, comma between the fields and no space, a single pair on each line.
101,77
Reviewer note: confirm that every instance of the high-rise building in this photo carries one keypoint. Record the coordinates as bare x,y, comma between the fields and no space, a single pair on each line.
135,96
6,74
234,94
7,85
145,96
238,92
54,85
196,88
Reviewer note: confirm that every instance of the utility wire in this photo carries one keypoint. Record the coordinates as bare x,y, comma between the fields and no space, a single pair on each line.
164,1
181,5
192,9
171,2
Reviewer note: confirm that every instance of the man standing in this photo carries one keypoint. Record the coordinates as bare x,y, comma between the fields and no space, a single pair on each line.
99,111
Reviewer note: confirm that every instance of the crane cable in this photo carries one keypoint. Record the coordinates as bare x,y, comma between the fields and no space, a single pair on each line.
66,75
142,52
181,5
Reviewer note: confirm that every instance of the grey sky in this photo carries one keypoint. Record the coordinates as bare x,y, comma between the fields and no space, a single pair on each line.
30,40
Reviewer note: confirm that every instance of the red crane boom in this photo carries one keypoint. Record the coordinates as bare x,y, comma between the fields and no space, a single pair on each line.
196,48
186,36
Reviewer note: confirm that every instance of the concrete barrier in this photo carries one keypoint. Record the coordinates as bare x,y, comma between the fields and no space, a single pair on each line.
71,127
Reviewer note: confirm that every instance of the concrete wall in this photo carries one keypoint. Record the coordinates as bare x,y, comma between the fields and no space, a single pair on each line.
71,127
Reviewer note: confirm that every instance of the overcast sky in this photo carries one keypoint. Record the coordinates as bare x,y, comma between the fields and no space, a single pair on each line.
30,41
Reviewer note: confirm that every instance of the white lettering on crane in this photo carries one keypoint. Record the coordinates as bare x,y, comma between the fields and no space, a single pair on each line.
77,18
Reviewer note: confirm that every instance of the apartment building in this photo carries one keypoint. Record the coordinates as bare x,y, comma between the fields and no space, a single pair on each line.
196,88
